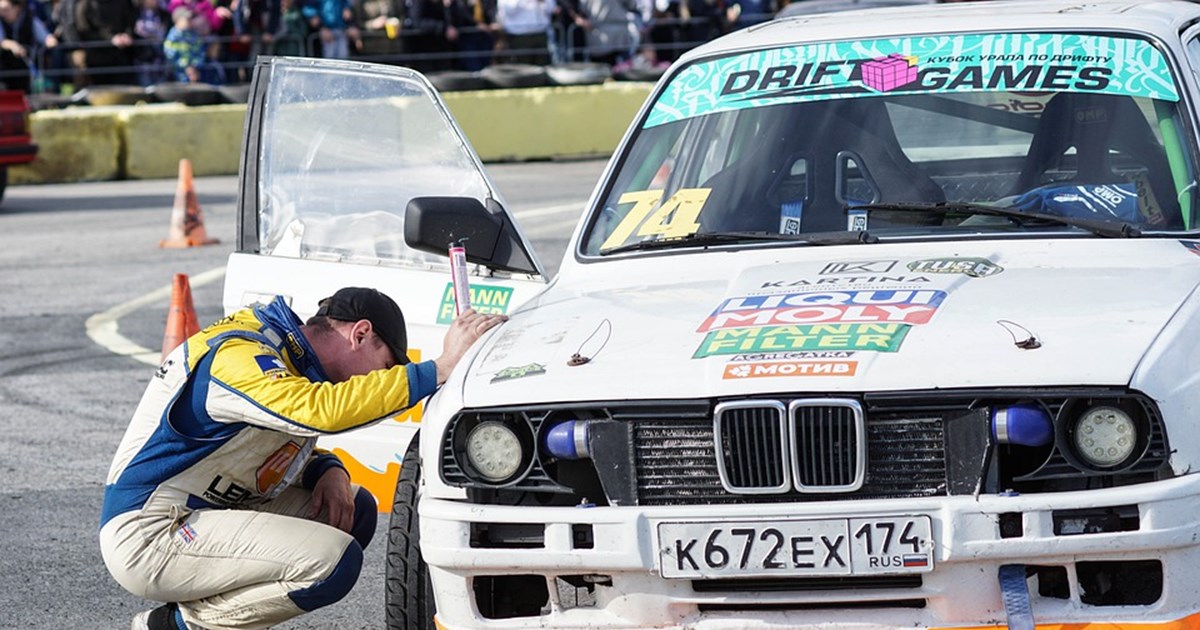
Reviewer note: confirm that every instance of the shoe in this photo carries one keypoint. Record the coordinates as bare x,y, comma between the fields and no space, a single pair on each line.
161,618
141,621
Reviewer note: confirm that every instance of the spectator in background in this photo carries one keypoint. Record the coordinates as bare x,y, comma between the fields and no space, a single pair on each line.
742,13
613,35
569,37
702,20
379,23
68,52
186,51
22,37
663,33
209,20
334,21
476,38
524,31
429,32
151,27
290,38
253,23
108,26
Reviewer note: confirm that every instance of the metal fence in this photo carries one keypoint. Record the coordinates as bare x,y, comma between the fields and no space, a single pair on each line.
63,69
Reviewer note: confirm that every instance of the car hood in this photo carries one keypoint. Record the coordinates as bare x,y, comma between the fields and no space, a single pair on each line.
811,319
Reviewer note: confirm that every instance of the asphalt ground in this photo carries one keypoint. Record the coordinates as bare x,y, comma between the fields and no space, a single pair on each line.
69,252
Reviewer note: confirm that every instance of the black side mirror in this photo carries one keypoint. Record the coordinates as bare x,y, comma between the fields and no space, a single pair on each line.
431,224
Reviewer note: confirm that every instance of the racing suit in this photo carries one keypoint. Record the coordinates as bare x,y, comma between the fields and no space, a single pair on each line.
205,501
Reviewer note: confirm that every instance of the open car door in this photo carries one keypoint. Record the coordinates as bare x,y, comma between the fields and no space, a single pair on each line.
334,152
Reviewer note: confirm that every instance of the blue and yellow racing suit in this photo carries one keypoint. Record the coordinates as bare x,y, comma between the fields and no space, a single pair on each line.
211,481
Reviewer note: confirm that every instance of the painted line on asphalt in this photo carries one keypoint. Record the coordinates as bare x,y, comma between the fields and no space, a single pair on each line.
102,328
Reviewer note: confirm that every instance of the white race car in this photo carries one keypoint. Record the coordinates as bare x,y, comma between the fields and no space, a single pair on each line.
877,319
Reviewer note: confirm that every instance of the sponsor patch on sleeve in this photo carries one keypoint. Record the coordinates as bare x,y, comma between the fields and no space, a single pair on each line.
270,365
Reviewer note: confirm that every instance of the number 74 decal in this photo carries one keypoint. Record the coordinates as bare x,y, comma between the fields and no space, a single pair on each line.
674,218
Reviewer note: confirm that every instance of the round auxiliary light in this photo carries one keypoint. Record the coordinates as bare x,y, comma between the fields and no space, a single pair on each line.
494,451
1105,436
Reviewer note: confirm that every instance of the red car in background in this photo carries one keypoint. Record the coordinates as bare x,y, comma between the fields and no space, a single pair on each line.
16,145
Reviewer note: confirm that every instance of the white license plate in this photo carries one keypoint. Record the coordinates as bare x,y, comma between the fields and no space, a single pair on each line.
845,546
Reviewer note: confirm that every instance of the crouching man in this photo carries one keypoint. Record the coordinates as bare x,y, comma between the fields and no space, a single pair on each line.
217,502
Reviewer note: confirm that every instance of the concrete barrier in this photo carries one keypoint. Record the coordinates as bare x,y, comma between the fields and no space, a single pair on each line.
147,141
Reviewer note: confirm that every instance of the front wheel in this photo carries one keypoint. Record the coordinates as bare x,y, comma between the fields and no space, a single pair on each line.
409,596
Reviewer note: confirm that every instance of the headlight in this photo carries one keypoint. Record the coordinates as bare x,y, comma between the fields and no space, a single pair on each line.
494,451
1105,436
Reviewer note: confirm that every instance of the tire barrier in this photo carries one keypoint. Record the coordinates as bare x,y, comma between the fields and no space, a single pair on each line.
515,75
579,73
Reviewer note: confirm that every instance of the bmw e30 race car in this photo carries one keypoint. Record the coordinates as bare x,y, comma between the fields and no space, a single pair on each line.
876,320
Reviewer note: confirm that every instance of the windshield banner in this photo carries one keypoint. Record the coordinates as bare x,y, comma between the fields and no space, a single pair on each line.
1041,62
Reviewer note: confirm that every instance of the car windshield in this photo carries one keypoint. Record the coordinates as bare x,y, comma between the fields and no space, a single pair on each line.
938,137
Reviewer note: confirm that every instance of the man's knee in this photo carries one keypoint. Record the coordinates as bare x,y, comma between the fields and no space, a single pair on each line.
366,513
333,587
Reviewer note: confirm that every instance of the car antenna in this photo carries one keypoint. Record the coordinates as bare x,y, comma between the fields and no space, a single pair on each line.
1030,342
579,358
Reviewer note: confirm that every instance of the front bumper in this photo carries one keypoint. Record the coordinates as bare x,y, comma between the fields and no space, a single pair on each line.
962,590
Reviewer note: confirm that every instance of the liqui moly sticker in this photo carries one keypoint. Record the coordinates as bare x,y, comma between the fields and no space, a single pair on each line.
458,277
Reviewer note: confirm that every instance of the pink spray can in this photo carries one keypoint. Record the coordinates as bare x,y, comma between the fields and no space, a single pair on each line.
458,277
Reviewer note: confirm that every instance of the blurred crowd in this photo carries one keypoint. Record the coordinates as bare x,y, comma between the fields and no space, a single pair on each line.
65,45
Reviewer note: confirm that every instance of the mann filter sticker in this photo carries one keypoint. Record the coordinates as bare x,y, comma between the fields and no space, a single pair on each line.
1045,62
486,300
872,337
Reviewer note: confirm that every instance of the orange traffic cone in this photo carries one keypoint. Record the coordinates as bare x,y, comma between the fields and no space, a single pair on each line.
187,224
181,317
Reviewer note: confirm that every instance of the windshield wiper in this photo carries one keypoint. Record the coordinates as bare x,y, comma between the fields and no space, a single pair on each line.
699,239
1099,227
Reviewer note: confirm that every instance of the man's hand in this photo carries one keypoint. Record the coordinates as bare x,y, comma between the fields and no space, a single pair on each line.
332,493
464,331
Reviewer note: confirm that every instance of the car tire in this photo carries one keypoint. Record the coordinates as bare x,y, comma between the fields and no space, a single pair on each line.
409,592
235,94
579,73
3,181
190,94
105,95
515,75
458,81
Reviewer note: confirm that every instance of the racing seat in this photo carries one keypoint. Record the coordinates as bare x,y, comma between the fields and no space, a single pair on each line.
1097,125
839,142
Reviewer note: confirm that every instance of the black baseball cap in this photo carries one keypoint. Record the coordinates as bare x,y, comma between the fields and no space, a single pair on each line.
351,304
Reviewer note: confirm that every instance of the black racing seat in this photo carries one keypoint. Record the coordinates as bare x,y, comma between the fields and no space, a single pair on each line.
1098,126
839,141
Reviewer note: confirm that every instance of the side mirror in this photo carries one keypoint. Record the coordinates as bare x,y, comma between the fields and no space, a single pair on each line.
431,224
